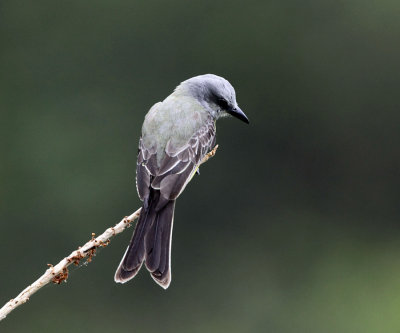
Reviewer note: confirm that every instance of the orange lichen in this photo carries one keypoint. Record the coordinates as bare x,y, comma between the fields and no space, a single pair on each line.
76,259
90,254
104,244
60,277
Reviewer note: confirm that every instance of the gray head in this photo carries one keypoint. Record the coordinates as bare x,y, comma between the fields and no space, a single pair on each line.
215,93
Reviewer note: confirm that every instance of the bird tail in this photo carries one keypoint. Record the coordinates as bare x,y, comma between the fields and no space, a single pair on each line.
151,242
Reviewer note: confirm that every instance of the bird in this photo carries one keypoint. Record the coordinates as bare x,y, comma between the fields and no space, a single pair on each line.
177,134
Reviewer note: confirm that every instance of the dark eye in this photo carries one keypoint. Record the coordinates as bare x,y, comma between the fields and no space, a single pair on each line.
222,103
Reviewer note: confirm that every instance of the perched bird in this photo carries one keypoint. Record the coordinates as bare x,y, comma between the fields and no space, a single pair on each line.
176,135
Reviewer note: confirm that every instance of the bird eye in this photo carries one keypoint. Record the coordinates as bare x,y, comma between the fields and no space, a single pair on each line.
223,103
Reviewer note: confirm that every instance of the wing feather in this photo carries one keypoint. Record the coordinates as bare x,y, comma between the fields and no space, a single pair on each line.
177,166
146,169
185,159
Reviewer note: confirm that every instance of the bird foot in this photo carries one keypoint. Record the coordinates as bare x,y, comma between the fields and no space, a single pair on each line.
210,154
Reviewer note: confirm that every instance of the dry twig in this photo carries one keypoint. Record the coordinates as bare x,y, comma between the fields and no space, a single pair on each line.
59,273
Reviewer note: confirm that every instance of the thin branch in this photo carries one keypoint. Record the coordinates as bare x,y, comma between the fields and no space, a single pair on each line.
59,272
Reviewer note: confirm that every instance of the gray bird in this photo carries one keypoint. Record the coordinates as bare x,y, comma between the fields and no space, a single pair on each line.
176,135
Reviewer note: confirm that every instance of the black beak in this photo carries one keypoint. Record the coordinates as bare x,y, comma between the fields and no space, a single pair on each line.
238,113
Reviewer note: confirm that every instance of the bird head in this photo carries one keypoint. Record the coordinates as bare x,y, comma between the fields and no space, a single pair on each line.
216,94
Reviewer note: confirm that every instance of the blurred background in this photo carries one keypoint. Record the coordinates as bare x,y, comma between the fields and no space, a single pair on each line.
292,227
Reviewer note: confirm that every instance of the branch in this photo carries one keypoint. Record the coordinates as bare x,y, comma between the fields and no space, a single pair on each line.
59,272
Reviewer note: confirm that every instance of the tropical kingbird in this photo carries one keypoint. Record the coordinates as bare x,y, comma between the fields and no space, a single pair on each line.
176,135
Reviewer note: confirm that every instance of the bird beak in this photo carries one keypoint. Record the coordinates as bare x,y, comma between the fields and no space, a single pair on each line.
238,113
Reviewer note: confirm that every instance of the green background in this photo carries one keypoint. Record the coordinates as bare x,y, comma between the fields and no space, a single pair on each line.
292,227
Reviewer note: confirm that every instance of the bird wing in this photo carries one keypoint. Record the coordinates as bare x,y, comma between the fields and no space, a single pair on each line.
178,165
146,169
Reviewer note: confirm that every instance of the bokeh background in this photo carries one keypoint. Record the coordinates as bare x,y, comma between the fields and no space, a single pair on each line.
292,227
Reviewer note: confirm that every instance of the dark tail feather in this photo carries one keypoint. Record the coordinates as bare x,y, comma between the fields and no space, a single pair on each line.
158,245
151,242
134,255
